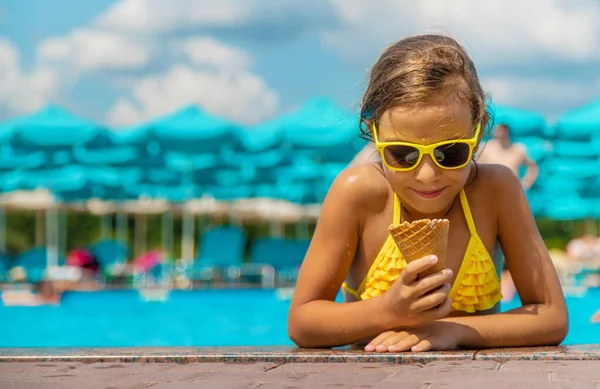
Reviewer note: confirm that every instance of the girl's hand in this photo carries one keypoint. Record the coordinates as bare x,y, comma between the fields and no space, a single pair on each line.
413,302
436,335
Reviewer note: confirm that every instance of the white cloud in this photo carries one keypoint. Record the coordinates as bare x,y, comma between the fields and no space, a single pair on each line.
123,113
216,78
156,16
270,19
493,31
91,49
20,91
208,51
541,94
237,95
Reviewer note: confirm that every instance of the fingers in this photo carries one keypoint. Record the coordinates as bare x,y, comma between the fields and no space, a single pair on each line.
405,344
381,342
411,271
431,300
437,313
424,345
433,281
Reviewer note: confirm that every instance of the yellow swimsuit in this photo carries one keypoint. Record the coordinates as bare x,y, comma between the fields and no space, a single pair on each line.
475,288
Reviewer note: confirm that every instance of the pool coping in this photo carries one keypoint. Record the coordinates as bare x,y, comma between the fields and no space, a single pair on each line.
289,355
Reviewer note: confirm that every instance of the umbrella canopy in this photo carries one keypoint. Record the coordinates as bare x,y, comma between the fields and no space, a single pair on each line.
52,128
11,159
260,149
192,130
164,192
521,122
575,148
324,131
567,208
579,123
263,136
37,200
571,167
104,151
145,206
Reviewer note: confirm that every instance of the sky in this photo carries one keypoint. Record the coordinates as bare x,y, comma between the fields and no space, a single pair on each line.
125,62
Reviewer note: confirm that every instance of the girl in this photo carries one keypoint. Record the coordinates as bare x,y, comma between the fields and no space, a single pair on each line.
425,110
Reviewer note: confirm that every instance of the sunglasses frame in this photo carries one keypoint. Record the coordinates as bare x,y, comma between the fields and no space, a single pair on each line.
425,149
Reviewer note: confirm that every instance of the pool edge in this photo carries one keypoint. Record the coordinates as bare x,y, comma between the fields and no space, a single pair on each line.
286,355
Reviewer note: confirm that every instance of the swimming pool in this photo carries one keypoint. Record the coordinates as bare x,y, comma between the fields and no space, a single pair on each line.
191,318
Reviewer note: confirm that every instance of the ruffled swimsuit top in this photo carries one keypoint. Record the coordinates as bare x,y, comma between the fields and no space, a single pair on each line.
476,287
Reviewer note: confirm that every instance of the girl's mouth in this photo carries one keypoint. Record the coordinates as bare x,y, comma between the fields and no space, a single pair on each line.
429,194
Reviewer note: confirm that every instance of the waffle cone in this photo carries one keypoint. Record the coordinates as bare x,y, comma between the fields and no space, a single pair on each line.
421,238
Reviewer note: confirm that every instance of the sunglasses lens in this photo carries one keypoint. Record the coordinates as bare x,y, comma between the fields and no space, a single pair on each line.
402,157
452,155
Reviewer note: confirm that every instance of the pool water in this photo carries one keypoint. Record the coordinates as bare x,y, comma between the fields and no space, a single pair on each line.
191,318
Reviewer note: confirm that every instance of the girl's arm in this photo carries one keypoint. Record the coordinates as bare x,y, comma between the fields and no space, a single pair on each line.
543,319
315,320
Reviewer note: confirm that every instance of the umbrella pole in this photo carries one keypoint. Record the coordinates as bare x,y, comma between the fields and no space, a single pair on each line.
141,227
51,241
62,228
303,224
166,234
105,222
187,236
2,229
122,237
277,228
122,227
39,228
590,227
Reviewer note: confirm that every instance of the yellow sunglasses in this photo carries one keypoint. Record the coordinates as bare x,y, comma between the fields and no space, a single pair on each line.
405,156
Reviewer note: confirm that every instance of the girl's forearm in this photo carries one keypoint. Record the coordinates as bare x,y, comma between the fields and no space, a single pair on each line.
324,323
530,325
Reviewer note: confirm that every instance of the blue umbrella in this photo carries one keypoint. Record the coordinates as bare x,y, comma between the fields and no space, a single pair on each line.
53,128
538,148
157,191
570,207
575,148
192,140
259,150
521,122
580,123
324,131
11,159
571,167
192,130
106,149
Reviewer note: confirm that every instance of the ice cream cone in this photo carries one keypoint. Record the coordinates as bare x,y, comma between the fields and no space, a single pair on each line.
421,238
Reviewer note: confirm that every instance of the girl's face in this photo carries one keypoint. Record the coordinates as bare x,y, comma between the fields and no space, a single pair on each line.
427,190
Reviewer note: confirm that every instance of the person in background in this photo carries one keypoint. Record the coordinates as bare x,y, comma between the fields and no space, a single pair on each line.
44,292
501,150
585,250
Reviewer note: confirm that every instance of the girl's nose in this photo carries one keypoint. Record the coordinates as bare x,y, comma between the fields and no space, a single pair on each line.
427,172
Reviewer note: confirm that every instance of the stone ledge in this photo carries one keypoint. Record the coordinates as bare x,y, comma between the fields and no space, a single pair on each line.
287,355
588,352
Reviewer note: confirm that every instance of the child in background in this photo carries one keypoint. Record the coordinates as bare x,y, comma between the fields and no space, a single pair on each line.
426,112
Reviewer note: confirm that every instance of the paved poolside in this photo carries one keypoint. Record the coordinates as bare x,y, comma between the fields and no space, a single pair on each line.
287,367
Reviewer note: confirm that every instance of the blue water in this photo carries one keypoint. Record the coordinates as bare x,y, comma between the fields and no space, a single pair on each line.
190,318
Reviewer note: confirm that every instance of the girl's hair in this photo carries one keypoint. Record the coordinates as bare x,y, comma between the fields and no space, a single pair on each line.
423,69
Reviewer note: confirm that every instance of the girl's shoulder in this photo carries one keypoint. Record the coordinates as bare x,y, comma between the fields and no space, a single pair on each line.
363,185
495,183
